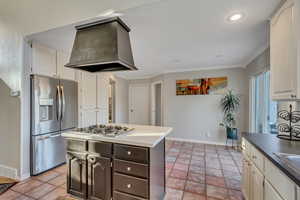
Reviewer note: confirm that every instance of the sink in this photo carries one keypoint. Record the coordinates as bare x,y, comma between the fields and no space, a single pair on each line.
292,160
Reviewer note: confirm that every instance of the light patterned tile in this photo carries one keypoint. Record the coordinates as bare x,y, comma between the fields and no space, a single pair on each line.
58,181
216,192
9,195
215,181
173,194
40,191
193,196
26,186
194,187
47,176
57,193
178,174
176,183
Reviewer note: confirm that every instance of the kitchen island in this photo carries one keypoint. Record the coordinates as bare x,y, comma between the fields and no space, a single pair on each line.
129,166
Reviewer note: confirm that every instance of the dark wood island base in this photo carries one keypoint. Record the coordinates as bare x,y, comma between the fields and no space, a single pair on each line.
105,171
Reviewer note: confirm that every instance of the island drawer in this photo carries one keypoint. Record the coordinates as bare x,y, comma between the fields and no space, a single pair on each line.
76,145
131,153
131,168
131,185
123,196
102,148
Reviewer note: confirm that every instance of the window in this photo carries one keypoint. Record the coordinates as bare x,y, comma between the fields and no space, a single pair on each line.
264,110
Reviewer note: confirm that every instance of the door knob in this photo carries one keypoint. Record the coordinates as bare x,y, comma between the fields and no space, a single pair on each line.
131,110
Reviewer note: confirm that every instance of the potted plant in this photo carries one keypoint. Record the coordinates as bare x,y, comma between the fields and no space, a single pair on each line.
230,104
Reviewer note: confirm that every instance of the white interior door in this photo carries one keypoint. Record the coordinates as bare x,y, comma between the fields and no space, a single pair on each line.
139,104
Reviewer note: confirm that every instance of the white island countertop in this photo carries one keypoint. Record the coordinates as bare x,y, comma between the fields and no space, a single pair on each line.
145,136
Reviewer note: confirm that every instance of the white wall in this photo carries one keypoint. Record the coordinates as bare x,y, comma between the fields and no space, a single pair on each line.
11,61
198,117
122,91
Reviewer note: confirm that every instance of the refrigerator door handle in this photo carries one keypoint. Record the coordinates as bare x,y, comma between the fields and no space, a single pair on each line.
58,101
63,108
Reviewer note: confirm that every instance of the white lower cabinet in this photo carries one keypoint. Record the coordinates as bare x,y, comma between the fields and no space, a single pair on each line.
270,193
262,180
246,183
257,184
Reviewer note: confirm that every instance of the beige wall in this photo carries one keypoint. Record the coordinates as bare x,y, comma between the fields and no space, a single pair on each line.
11,62
260,64
10,129
198,117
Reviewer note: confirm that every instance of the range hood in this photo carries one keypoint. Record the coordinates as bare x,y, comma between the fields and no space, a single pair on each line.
102,46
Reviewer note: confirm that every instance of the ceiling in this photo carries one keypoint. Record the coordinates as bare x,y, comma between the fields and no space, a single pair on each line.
176,35
31,16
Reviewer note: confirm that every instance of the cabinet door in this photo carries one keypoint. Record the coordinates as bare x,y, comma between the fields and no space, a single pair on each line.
43,60
88,118
257,184
64,72
102,116
270,193
102,90
88,90
283,54
99,178
76,177
246,179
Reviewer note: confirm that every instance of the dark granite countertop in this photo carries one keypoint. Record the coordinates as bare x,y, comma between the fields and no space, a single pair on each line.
269,144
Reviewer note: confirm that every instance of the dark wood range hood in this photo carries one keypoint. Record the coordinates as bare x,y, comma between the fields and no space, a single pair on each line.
102,46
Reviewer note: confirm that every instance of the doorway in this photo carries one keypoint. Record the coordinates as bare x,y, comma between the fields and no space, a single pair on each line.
139,104
112,101
156,105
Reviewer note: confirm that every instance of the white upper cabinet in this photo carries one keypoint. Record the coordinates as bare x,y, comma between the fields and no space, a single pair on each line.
50,62
285,68
43,60
64,72
88,90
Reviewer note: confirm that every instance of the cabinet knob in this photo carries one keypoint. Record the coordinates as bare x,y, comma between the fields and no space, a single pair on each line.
128,185
129,153
128,169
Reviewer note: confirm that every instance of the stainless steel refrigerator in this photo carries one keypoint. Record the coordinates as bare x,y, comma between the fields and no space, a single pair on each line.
54,108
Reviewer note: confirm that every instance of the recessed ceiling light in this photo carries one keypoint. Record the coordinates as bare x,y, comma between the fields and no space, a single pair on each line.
235,17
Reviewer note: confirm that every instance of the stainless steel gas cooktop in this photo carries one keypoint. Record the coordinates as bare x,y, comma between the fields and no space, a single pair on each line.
105,130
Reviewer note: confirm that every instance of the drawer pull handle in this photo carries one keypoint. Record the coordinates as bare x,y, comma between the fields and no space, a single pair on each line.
129,153
128,169
128,186
254,157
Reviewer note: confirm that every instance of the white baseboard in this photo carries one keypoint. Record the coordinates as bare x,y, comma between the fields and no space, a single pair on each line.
24,176
8,172
196,141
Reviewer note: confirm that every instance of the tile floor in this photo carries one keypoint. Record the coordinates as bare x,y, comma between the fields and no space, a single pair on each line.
202,172
194,172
